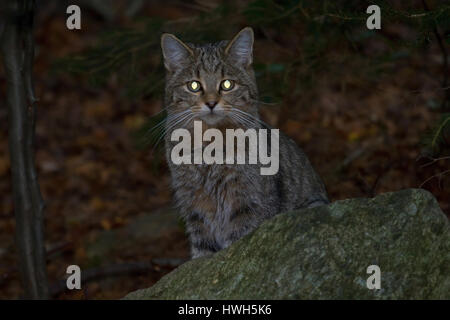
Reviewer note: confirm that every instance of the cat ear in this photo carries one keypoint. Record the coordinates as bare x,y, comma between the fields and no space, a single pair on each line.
240,49
175,52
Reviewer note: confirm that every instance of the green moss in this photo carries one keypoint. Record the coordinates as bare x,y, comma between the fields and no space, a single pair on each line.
323,253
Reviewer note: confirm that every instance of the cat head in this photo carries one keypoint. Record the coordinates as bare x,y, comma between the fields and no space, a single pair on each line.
213,83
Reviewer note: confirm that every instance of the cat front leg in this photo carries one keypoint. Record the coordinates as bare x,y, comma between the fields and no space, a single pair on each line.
241,222
198,252
202,244
315,201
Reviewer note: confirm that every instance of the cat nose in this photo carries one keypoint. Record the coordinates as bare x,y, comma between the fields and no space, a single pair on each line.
211,104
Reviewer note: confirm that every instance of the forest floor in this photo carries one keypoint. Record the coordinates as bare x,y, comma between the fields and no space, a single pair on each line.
101,191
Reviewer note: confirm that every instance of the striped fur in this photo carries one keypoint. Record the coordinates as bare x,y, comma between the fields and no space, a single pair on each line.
222,203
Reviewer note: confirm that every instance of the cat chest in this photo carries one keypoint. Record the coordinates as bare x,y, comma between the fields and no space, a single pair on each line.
212,191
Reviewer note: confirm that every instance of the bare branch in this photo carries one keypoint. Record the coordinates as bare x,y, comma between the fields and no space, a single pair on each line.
438,175
105,272
445,65
434,160
17,48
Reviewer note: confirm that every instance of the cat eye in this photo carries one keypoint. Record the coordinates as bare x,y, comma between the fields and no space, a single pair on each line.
194,86
227,85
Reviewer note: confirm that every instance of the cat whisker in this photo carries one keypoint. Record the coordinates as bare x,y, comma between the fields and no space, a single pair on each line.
244,121
160,111
238,119
229,113
161,124
265,103
170,121
246,114
154,128
245,117
264,124
179,120
166,108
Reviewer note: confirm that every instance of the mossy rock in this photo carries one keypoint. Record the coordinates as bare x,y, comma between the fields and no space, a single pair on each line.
324,252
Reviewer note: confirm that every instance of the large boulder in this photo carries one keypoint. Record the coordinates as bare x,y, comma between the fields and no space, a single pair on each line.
324,253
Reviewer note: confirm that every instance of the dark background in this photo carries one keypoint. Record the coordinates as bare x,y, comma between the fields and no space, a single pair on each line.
368,107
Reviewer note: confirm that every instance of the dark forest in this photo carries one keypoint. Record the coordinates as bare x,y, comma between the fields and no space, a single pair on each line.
370,108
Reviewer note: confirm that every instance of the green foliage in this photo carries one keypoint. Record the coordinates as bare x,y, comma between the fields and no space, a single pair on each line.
303,36
125,52
133,53
438,139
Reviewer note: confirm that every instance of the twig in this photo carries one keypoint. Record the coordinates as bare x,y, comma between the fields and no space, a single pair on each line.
445,58
434,160
50,254
130,268
104,272
439,175
17,49
195,6
172,262
370,191
57,249
440,129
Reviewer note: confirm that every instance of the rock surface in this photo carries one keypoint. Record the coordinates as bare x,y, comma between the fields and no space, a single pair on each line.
324,252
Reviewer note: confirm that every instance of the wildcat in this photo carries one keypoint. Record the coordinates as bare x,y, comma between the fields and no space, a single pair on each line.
215,84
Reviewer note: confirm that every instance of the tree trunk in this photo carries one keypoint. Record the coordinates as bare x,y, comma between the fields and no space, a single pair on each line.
17,48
